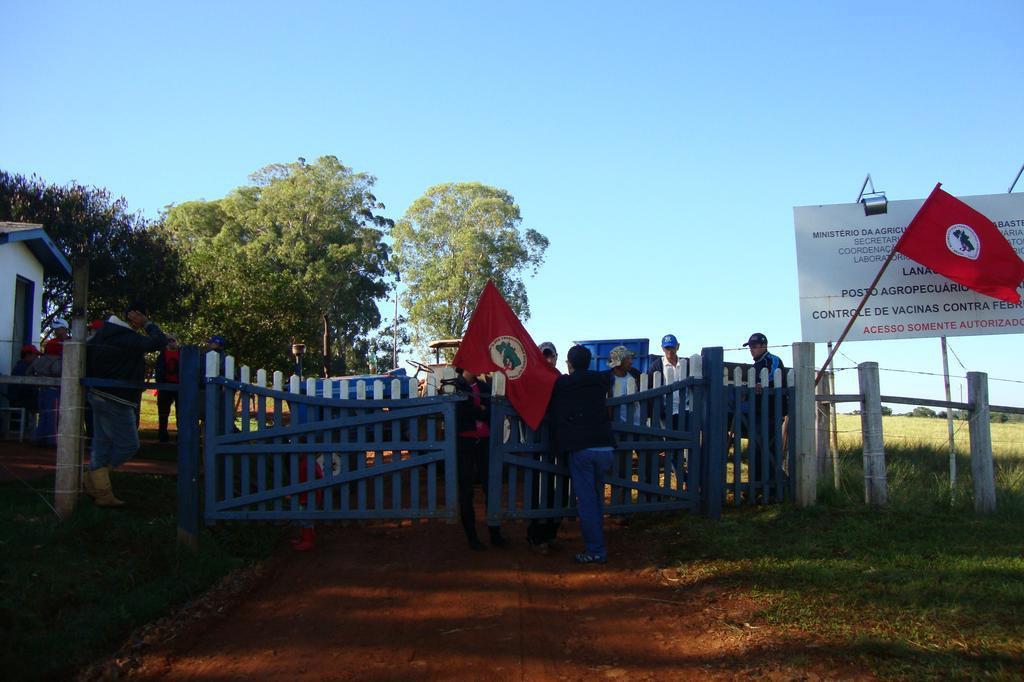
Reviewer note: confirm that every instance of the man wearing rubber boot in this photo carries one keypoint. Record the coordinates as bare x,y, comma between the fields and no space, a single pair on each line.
117,351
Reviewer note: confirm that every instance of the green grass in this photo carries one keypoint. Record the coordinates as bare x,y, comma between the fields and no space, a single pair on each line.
71,592
903,431
924,589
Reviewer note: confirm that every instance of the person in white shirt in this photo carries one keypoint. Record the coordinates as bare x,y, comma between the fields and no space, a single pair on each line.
626,379
672,368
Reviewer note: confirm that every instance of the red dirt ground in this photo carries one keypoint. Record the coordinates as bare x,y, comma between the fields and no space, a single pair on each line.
391,601
411,602
26,461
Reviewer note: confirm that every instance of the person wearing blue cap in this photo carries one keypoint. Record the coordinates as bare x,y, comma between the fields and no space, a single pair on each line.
672,369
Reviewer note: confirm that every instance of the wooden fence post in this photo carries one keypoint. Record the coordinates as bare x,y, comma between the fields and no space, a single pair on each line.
187,418
982,468
803,413
824,439
72,398
69,429
713,466
875,489
833,432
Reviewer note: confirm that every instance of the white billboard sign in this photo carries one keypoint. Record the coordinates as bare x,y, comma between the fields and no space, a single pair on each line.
839,251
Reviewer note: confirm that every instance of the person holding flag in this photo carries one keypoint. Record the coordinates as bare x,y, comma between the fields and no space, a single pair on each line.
496,341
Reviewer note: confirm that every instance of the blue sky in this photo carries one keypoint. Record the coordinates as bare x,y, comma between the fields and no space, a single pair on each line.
661,148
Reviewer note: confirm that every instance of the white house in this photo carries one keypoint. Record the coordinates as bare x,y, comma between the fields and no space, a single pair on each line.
27,254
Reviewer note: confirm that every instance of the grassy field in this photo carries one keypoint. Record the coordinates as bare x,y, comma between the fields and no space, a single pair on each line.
1007,439
924,589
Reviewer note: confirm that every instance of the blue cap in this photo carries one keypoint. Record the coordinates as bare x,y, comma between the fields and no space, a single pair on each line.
218,339
669,341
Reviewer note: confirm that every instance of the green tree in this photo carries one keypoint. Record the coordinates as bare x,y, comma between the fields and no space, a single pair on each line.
298,255
921,411
127,258
449,243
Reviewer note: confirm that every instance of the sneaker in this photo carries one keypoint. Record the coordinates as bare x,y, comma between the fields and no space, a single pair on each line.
588,558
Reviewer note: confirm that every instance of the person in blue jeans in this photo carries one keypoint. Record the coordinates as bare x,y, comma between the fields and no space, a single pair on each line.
117,351
581,426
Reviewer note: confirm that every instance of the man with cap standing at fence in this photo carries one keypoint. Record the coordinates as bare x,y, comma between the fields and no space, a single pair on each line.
117,351
550,353
672,368
764,360
625,378
61,333
542,534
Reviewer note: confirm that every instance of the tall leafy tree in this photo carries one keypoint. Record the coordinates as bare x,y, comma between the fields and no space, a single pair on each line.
127,258
298,255
449,243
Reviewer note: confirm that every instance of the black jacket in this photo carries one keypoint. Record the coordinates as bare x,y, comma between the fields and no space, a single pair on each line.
118,352
770,362
466,413
578,411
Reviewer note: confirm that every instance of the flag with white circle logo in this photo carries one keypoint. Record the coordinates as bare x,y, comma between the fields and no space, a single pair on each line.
496,341
958,242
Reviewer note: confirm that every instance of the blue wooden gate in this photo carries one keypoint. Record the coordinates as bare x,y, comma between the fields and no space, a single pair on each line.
660,464
761,444
272,454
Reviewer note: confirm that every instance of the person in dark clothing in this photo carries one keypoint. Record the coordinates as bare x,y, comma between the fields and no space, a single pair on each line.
764,360
117,351
581,426
25,397
472,422
542,534
167,373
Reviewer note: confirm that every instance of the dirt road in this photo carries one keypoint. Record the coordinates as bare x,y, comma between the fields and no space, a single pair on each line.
411,602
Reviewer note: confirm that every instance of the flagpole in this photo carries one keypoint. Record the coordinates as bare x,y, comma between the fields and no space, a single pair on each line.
856,313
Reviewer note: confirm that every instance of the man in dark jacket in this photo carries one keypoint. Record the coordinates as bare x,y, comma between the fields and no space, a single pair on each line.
167,373
117,351
581,426
764,360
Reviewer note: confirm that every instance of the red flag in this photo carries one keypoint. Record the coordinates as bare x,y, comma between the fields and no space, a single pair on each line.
952,239
496,340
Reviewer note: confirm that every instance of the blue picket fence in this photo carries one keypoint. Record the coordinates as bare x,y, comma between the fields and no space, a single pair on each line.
761,443
297,455
313,453
657,465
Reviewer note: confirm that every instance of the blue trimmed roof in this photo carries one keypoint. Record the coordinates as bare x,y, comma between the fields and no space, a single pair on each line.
39,243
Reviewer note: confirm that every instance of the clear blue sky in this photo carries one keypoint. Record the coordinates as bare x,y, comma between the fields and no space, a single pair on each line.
661,148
